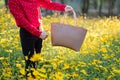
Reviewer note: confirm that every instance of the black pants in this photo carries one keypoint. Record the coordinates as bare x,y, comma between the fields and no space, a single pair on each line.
30,45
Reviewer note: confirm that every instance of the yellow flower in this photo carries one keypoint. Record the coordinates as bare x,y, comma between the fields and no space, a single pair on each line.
82,64
8,74
35,72
4,63
22,71
54,65
36,57
96,79
84,72
74,75
117,71
9,51
106,56
43,76
8,69
30,78
42,70
95,62
58,76
18,65
109,77
103,49
26,57
1,58
66,66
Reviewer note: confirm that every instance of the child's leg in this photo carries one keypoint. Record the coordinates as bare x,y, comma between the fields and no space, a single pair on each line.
28,46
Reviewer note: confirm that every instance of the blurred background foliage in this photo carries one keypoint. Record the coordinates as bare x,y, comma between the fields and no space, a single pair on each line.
87,7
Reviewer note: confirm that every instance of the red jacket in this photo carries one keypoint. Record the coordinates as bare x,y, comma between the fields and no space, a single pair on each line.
27,13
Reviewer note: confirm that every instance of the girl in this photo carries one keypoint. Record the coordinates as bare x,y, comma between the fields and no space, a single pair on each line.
28,17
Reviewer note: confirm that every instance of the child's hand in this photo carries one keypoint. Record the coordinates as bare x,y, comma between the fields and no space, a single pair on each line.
43,35
68,8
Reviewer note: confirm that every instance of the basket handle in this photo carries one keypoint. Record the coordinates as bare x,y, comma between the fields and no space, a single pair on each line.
74,16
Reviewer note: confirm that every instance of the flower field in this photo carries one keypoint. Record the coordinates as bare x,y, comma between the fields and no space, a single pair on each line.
98,59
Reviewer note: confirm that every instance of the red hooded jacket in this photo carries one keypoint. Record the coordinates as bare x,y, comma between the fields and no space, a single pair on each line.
27,13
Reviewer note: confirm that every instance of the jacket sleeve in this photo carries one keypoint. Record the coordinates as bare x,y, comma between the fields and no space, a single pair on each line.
48,4
21,20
